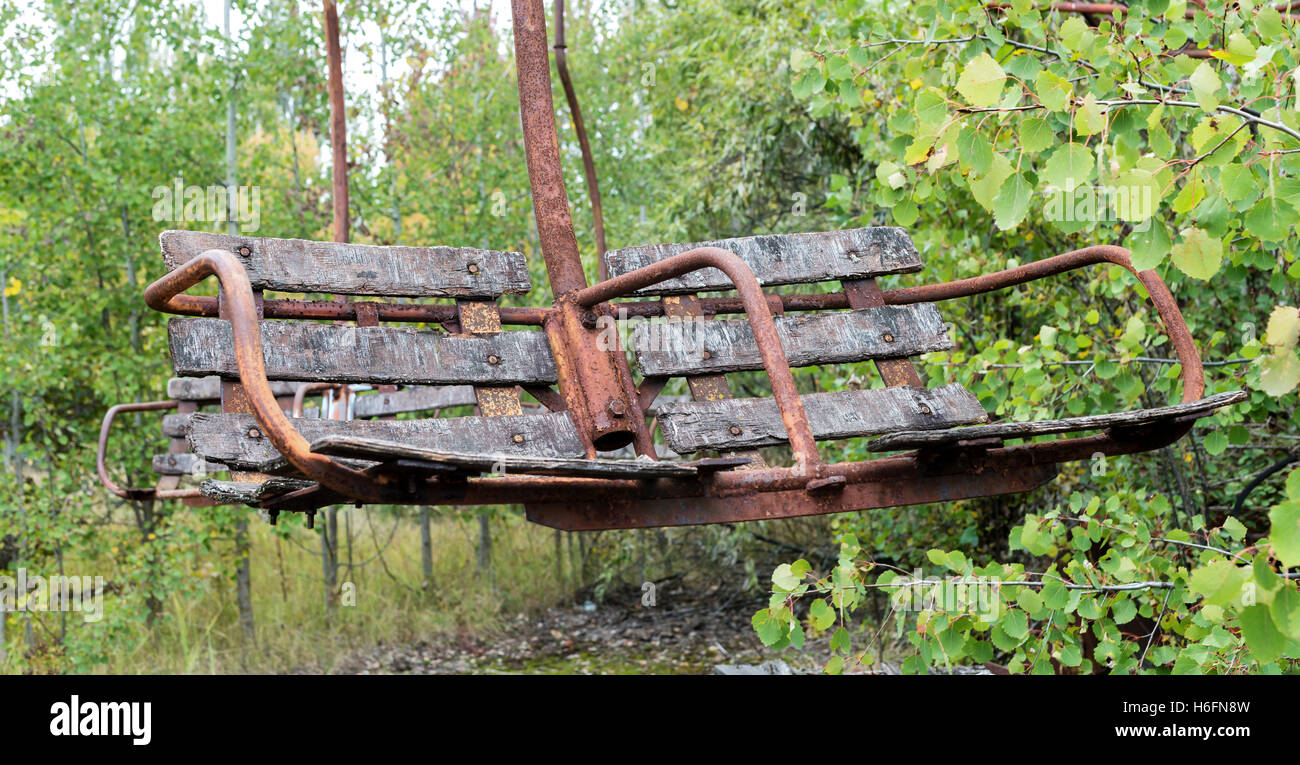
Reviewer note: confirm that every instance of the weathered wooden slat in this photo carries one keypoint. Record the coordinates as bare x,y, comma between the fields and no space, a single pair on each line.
225,438
184,464
783,258
751,422
240,492
386,451
176,425
298,265
301,350
209,388
422,399
911,439
675,348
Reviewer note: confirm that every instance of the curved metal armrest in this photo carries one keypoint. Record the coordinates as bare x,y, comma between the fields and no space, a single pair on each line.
239,308
760,319
130,493
1166,307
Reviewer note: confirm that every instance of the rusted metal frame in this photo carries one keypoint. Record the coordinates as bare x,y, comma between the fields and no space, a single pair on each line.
588,162
300,395
131,493
759,313
239,308
1166,307
707,387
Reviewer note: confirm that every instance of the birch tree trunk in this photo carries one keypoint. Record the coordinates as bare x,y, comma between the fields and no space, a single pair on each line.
426,548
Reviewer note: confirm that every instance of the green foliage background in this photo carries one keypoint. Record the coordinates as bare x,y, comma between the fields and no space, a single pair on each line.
716,118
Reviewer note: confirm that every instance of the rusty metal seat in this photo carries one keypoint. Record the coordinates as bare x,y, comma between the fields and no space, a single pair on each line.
552,461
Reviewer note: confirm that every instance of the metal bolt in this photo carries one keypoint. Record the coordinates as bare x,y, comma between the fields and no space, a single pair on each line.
245,251
517,438
494,360
888,338
617,408
473,268
171,459
254,433
925,409
735,430
706,355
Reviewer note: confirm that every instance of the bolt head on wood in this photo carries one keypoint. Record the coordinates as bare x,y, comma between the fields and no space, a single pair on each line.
735,430
254,433
888,337
494,360
925,409
517,438
245,251
706,355
472,268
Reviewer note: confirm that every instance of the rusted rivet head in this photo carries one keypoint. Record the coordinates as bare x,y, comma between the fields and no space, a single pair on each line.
617,408
473,268
171,459
243,250
254,433
735,430
888,337
518,438
706,355
925,409
494,360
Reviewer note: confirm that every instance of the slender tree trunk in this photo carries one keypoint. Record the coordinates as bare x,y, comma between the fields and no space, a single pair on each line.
426,548
329,557
484,543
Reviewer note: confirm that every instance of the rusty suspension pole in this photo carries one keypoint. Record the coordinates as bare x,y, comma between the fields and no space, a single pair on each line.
545,177
338,122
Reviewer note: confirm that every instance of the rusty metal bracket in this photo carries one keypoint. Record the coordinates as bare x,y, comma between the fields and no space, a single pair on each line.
131,493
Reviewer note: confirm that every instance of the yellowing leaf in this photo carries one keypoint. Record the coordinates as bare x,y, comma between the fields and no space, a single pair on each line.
1283,327
1205,84
1198,255
13,287
981,81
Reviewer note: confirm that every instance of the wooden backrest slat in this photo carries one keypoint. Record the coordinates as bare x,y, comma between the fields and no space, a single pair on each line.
301,350
298,265
783,258
675,348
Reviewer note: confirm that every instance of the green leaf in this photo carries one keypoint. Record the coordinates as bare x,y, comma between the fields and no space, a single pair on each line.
975,151
1012,203
1262,635
820,614
1285,610
808,83
784,577
1285,532
1035,135
1198,255
1239,50
1123,611
1216,443
986,188
840,641
1270,219
1205,84
1053,91
1219,582
1088,119
770,628
1135,195
1150,246
981,81
1069,166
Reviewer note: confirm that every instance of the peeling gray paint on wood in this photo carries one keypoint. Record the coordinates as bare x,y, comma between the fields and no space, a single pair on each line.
298,265
1009,430
674,348
209,388
301,350
184,464
225,438
691,427
783,258
386,451
422,399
